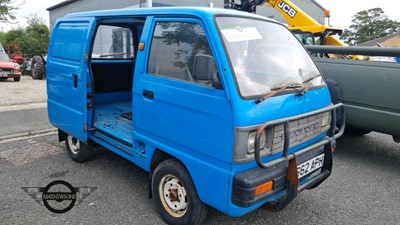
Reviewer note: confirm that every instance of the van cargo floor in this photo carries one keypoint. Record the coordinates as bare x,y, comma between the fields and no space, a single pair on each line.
111,119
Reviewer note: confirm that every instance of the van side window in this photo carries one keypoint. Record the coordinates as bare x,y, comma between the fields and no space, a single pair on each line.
113,42
173,50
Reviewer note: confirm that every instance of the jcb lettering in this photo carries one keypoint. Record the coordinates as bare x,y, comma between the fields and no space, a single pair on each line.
287,9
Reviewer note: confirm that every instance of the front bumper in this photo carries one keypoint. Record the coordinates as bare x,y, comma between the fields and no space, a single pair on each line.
283,171
10,75
245,183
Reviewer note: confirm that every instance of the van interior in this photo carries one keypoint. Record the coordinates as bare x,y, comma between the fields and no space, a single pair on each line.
112,66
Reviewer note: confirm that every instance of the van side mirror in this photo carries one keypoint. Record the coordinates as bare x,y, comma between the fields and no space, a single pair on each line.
204,70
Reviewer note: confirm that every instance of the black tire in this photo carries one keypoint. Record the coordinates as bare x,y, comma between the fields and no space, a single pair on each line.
77,150
356,131
180,204
38,68
17,79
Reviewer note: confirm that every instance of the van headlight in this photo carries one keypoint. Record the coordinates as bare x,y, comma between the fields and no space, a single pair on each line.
326,119
252,139
244,146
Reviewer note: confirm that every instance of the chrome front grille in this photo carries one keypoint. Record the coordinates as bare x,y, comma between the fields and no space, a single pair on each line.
6,70
301,131
263,140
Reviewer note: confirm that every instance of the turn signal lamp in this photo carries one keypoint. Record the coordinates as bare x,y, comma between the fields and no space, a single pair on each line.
265,187
141,46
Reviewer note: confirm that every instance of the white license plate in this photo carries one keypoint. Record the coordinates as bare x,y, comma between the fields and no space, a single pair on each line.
310,166
3,74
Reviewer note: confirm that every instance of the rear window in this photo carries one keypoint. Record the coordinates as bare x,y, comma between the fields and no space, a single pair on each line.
113,42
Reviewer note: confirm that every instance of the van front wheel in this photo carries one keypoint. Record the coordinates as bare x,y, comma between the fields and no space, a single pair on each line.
77,150
175,195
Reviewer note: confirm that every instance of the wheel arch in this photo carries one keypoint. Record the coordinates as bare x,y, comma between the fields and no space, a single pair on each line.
211,179
158,157
336,97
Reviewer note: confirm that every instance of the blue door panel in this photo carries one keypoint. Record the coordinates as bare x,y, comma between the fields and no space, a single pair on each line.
68,75
193,116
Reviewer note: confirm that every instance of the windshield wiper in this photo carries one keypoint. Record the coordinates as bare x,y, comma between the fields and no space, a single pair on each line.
300,88
275,91
305,88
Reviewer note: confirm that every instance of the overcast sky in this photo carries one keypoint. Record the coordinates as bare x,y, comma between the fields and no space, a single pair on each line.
341,10
28,8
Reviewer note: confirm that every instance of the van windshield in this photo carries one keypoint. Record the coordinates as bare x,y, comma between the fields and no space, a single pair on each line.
266,56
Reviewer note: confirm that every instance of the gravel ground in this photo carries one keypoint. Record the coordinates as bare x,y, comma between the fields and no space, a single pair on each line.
25,92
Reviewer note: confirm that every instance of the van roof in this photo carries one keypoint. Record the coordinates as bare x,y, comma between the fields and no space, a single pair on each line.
190,11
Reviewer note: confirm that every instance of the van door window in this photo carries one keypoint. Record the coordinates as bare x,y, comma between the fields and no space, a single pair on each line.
113,57
113,42
174,48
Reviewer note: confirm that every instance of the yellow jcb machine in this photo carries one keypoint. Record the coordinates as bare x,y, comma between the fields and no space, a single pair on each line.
306,29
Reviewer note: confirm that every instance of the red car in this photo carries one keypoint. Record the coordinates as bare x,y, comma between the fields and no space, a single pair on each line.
9,69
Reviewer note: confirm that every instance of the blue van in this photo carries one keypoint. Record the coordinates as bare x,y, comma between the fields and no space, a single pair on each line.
225,109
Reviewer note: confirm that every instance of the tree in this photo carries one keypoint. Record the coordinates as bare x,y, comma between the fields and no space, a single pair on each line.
38,33
33,40
368,25
2,38
7,10
15,36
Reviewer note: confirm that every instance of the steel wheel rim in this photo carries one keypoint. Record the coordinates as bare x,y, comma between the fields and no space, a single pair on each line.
74,144
173,196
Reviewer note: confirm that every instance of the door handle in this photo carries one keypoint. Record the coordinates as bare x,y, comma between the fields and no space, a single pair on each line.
75,80
148,94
